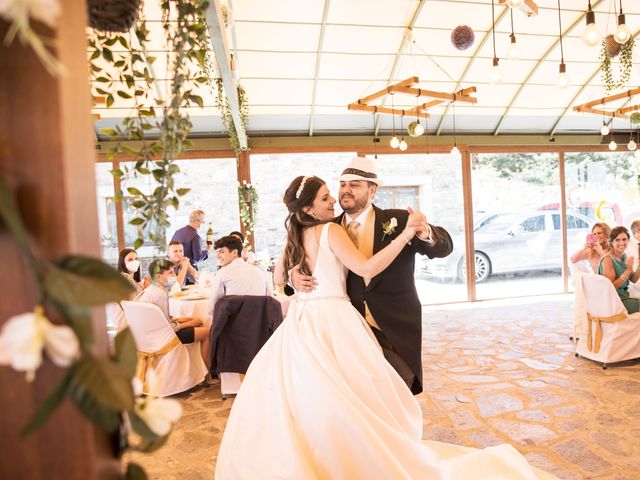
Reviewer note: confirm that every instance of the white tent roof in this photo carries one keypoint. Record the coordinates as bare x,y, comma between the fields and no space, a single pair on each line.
354,44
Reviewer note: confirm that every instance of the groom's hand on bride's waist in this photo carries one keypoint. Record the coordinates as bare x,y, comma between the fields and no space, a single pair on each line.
301,282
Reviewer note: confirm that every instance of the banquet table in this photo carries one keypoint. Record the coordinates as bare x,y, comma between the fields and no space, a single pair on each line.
193,303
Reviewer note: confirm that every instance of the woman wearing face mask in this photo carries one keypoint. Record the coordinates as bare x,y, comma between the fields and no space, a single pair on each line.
129,266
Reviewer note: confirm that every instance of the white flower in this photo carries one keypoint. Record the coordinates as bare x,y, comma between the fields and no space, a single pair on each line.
393,223
159,413
18,11
24,336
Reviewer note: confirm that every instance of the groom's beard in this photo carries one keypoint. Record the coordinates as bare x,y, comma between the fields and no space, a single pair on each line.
356,204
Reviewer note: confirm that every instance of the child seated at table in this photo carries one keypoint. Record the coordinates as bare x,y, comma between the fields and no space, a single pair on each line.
187,329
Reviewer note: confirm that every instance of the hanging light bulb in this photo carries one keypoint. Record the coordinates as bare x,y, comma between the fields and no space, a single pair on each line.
419,129
395,143
605,129
455,151
403,145
496,73
613,145
563,79
622,32
632,146
591,35
513,52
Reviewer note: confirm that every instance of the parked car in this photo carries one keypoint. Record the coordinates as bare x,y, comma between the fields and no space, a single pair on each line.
512,242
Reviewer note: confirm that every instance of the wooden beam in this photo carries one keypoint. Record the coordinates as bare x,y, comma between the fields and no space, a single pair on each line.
390,111
465,158
452,97
217,33
243,165
325,14
385,91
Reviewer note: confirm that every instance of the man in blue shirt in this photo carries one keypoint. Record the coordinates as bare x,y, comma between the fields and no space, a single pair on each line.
190,240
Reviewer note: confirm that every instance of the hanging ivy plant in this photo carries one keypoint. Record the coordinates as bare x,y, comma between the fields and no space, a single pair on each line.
626,63
248,199
225,111
186,44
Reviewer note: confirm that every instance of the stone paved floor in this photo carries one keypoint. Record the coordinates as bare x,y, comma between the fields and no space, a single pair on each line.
494,372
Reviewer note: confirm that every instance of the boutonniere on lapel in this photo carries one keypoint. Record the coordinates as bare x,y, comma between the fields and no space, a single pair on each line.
389,227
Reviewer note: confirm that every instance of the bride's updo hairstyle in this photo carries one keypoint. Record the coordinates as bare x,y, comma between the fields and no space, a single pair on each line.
300,194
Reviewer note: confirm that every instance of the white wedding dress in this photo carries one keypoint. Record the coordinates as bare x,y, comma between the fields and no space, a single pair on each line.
320,401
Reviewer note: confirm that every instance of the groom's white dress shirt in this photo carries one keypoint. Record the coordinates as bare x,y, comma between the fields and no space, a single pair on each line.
238,278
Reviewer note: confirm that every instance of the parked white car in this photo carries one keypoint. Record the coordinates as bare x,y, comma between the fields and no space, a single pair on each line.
512,242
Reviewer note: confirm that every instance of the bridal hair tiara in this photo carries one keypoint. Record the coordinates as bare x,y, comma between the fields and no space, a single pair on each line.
301,187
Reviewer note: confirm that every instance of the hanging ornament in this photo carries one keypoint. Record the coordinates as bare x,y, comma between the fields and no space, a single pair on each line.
611,46
415,129
462,37
635,118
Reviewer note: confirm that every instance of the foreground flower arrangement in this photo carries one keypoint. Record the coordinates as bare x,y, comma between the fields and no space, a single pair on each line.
18,13
103,389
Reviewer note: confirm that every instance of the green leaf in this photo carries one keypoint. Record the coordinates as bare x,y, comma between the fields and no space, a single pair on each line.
135,472
138,203
123,94
136,221
123,41
150,441
110,132
198,100
126,353
109,100
81,280
102,79
117,172
135,191
174,202
107,54
105,381
79,318
54,399
104,417
95,54
138,243
183,191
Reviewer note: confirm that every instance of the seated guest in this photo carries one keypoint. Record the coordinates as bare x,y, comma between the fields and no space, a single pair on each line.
236,277
187,329
185,273
247,255
618,268
129,266
191,241
596,246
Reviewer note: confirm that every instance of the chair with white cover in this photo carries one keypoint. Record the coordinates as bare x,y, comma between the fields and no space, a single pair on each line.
579,307
178,367
612,334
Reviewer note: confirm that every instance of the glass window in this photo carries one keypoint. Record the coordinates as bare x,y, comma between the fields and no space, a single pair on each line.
534,224
398,197
271,174
213,184
106,212
519,252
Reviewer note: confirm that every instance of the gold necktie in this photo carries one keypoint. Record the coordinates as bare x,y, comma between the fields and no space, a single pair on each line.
352,231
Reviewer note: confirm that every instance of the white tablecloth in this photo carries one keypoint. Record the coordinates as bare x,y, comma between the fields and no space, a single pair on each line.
179,307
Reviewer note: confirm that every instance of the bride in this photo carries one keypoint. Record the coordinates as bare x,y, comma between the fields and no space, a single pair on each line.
320,401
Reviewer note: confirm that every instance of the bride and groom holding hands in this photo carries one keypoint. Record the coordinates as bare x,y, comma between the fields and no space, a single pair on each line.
330,395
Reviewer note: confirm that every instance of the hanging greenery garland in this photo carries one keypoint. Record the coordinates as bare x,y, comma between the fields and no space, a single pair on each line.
225,112
625,61
248,198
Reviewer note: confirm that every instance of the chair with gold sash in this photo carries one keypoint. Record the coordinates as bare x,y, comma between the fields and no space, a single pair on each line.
579,308
178,366
612,334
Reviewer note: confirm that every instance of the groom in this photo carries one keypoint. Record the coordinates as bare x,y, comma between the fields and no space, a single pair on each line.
389,301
